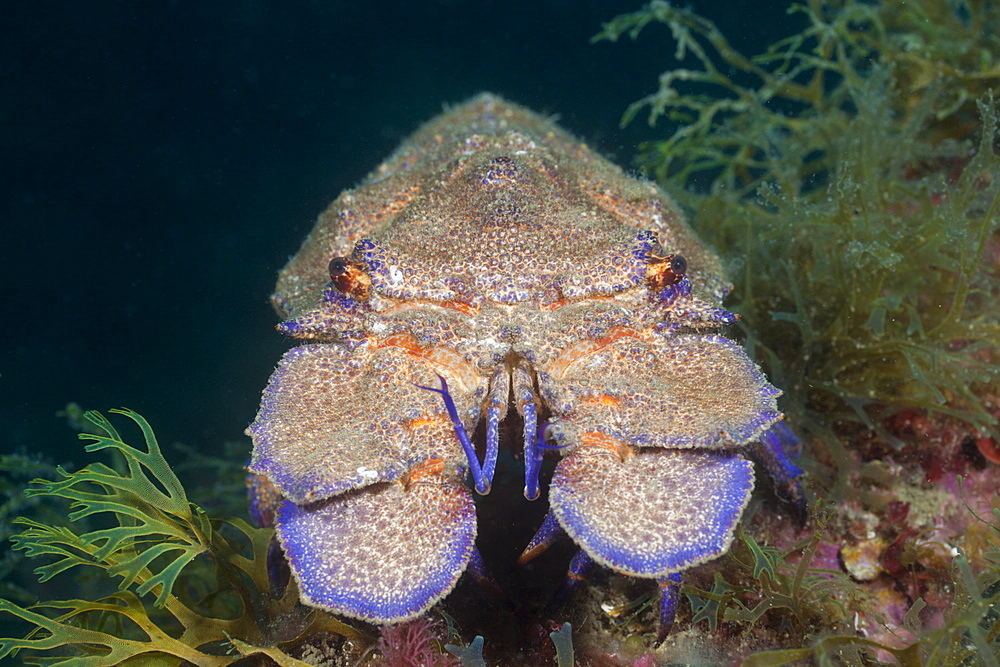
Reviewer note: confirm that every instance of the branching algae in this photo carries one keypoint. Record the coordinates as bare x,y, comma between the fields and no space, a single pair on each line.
155,541
850,174
850,178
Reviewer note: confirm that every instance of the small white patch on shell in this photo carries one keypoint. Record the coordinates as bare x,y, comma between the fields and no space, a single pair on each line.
395,275
368,474
491,342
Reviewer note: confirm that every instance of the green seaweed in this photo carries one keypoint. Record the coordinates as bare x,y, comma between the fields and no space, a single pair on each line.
16,469
470,656
817,604
850,180
563,641
153,540
776,582
808,593
710,606
969,636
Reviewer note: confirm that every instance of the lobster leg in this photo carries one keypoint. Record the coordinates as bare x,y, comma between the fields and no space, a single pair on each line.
670,593
479,471
547,534
771,451
495,412
527,405
581,566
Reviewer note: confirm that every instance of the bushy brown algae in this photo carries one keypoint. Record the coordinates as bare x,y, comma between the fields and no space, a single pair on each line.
849,177
850,183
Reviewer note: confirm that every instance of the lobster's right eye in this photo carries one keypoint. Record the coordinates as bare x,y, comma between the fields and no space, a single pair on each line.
348,278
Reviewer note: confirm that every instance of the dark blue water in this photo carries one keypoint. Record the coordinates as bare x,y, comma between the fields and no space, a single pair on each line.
161,161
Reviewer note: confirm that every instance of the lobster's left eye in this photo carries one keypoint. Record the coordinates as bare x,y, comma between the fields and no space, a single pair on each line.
665,271
338,267
678,267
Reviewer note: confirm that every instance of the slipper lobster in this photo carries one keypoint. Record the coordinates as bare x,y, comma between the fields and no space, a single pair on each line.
494,264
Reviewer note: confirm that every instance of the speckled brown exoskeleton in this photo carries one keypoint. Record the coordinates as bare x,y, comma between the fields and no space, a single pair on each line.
494,264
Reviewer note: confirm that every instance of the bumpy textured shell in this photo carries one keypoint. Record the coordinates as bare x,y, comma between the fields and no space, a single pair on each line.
354,554
679,392
682,506
495,252
333,420
489,194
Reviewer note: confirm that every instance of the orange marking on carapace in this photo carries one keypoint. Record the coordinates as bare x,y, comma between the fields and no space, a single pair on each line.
428,467
555,305
460,307
582,349
571,355
441,361
603,399
604,441
404,340
424,421
393,207
617,333
560,302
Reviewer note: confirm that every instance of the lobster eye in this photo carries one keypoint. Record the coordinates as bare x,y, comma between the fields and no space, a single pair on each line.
678,267
665,271
338,266
348,278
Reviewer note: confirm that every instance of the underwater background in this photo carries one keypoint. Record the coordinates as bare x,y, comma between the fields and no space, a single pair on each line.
163,161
